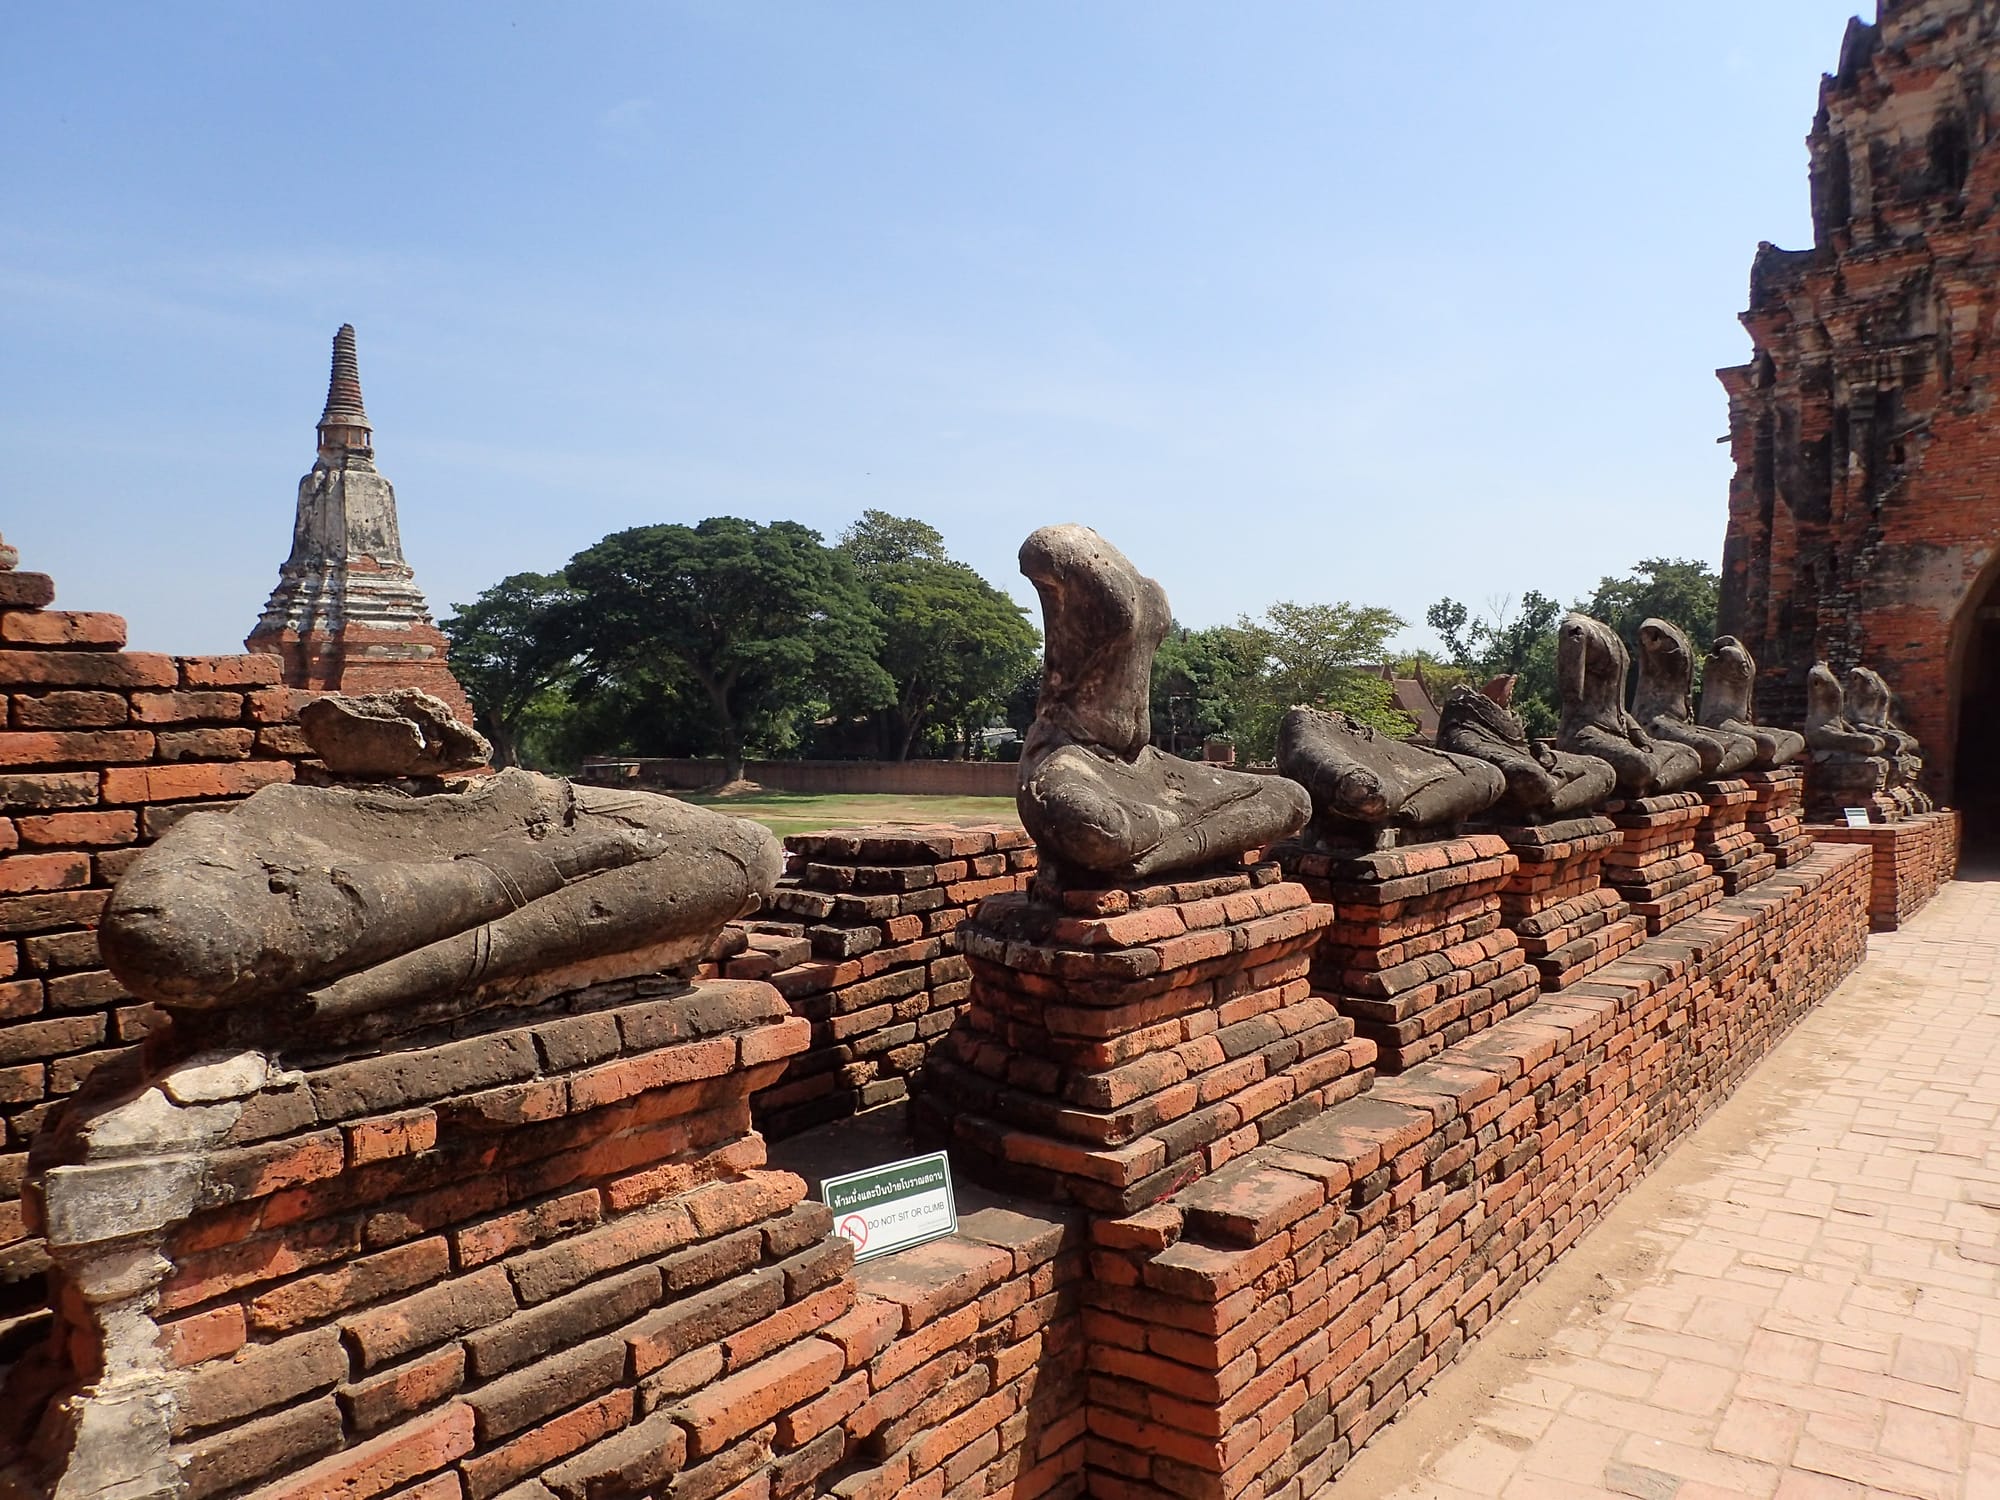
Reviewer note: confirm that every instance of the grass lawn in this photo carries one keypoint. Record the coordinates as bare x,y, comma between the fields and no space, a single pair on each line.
800,812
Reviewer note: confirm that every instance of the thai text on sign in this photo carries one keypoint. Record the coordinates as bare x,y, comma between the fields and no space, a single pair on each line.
894,1206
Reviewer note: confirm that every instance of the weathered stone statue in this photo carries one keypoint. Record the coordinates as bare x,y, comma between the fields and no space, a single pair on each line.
1829,732
1094,793
1728,702
1543,783
402,733
1664,703
1869,704
355,900
1591,668
1365,785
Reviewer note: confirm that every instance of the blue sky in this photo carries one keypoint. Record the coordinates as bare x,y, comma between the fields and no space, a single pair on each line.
1309,302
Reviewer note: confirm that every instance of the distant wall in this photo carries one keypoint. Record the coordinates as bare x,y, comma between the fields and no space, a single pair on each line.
908,778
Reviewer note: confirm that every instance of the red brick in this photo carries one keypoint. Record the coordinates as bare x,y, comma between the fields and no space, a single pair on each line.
260,1376
744,1401
524,1227
206,1335
254,670
205,744
188,783
185,708
79,830
377,1466
85,669
71,711
400,1392
20,590
22,873
390,1136
323,1294
443,1311
62,627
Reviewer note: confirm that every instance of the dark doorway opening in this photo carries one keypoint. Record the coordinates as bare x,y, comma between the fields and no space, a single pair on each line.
1976,764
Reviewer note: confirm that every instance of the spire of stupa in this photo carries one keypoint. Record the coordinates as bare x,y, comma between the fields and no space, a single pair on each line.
344,423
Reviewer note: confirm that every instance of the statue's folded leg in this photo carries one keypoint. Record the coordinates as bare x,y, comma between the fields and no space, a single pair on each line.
1073,806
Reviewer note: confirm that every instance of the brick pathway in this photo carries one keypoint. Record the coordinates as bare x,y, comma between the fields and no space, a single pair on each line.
1802,1302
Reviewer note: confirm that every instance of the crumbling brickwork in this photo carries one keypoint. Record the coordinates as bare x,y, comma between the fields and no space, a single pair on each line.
1866,499
862,939
103,750
1913,858
1249,1334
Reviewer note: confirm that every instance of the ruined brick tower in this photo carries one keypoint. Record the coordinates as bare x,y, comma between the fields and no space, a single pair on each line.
1865,508
347,614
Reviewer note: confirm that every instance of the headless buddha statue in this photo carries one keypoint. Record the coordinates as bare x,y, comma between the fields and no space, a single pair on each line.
1366,787
357,898
1665,706
1869,709
1543,783
1094,793
1728,702
1591,667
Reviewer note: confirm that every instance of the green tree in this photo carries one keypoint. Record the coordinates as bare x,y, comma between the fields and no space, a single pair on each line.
1682,591
1518,639
514,652
1205,682
953,645
1319,655
765,627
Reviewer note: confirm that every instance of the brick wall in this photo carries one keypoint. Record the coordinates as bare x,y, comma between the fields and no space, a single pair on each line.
1249,1334
862,939
102,751
1913,858
534,1254
539,1255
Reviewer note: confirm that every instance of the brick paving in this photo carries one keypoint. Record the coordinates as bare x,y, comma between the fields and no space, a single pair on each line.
1803,1303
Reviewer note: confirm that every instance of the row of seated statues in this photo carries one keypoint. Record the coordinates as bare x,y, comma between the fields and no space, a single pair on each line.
1098,797
397,884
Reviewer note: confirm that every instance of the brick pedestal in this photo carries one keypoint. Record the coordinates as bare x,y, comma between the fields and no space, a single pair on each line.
1418,957
1774,819
1569,923
1121,1043
1656,866
1724,839
1912,858
1833,787
862,939
547,1248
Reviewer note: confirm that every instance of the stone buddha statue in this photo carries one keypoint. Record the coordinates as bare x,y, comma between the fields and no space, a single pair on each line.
1591,668
1543,783
1366,787
1869,703
349,899
1728,702
1829,732
1664,703
1094,793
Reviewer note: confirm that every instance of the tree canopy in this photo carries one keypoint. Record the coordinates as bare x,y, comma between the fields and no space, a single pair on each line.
758,629
510,648
1521,638
1238,680
953,645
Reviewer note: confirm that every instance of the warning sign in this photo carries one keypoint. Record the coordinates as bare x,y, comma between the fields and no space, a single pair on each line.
893,1207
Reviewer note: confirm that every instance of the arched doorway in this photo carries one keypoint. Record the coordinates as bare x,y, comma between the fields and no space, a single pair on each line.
1975,789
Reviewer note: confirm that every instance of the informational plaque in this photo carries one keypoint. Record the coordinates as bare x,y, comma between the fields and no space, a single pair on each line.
893,1207
1857,817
